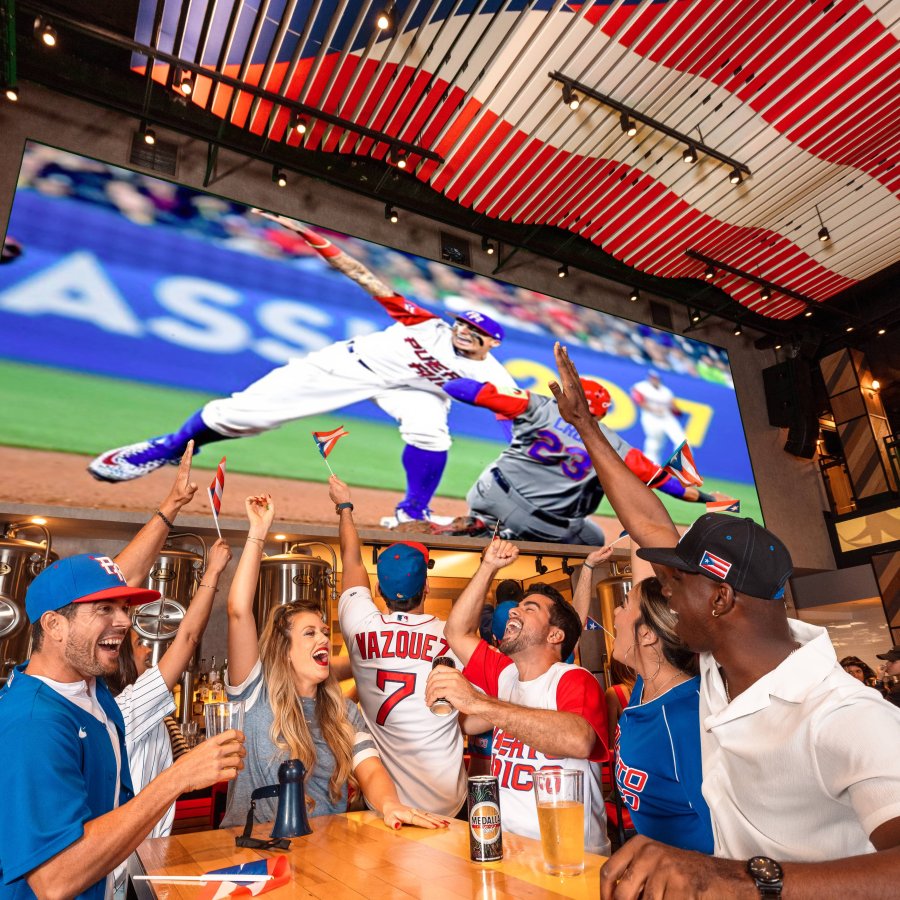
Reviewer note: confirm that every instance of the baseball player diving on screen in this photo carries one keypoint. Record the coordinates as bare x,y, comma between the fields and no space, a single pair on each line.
401,368
543,486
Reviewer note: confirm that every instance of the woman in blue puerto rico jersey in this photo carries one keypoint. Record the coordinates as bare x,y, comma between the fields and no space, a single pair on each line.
657,758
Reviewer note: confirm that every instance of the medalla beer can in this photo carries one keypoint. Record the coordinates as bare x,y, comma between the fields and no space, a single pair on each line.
485,833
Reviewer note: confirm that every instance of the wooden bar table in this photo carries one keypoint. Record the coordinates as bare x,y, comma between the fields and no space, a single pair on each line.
356,856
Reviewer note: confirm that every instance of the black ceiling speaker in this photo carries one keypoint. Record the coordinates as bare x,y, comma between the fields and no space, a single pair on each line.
791,404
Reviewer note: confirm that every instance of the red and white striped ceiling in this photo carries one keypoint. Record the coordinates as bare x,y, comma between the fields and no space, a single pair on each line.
806,94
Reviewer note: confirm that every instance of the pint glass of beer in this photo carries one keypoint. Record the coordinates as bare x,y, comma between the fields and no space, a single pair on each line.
223,716
559,794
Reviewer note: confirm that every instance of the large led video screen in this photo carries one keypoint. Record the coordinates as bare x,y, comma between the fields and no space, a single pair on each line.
133,308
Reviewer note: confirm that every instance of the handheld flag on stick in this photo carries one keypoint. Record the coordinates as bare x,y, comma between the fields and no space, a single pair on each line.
593,625
215,490
681,465
729,504
325,441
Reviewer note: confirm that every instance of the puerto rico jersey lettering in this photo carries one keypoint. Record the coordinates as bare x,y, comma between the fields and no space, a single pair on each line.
562,687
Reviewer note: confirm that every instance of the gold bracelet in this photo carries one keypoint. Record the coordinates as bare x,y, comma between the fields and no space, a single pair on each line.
215,590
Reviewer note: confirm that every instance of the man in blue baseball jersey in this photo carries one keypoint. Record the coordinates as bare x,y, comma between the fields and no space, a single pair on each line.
74,818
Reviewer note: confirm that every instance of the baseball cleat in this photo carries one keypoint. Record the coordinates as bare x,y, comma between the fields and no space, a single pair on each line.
401,516
133,460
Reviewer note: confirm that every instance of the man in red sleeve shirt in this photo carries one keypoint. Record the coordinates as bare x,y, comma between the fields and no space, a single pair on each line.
546,714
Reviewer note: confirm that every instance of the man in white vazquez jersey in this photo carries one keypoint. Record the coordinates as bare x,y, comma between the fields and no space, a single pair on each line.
659,415
391,655
546,714
401,368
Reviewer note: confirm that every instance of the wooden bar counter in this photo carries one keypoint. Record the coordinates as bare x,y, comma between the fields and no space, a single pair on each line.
356,856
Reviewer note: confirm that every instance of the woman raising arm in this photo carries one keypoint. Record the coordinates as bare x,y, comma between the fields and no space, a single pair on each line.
294,708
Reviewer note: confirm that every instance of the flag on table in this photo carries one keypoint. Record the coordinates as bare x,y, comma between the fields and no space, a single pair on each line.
681,466
726,505
592,624
216,489
278,868
325,440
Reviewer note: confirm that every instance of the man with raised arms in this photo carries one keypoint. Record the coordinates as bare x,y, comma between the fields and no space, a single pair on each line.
804,798
545,713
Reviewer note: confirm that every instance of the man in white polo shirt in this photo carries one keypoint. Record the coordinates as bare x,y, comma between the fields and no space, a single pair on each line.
801,791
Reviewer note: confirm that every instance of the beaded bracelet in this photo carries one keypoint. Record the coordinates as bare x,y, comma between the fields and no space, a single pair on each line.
162,515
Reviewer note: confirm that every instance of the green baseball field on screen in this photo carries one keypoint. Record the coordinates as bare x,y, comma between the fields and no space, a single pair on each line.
55,409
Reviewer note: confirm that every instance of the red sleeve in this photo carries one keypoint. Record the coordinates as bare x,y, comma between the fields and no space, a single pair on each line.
509,404
637,396
579,692
645,468
404,311
484,667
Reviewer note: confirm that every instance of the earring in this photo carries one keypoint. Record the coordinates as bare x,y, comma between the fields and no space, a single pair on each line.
715,615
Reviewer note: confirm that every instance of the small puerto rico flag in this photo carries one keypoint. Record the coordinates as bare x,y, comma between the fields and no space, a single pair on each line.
592,624
276,872
325,440
715,565
726,505
216,489
681,465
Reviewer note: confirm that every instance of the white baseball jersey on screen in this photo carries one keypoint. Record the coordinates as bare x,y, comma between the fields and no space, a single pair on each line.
391,655
562,687
658,398
400,368
423,356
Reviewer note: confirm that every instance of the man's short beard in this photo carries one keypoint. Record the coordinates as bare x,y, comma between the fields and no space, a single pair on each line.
84,662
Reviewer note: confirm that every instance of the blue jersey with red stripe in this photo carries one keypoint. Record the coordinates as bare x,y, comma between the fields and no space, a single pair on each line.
658,768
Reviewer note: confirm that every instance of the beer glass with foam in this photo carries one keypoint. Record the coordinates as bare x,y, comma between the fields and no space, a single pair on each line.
559,794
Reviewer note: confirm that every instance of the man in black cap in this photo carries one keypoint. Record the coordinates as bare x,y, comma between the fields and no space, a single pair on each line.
794,769
890,674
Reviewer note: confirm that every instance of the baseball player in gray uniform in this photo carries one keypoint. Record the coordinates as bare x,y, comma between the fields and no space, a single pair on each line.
543,486
401,368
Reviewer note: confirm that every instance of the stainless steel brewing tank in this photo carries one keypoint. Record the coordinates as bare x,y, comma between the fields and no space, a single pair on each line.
292,576
175,574
20,562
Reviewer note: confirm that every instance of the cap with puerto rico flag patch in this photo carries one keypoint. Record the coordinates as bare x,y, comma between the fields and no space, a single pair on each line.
724,548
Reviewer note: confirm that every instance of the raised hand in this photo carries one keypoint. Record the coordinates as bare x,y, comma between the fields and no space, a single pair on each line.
499,554
595,557
569,393
182,491
260,512
338,491
218,558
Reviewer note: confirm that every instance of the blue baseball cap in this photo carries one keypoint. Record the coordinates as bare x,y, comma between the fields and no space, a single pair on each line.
501,617
485,324
81,579
402,569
